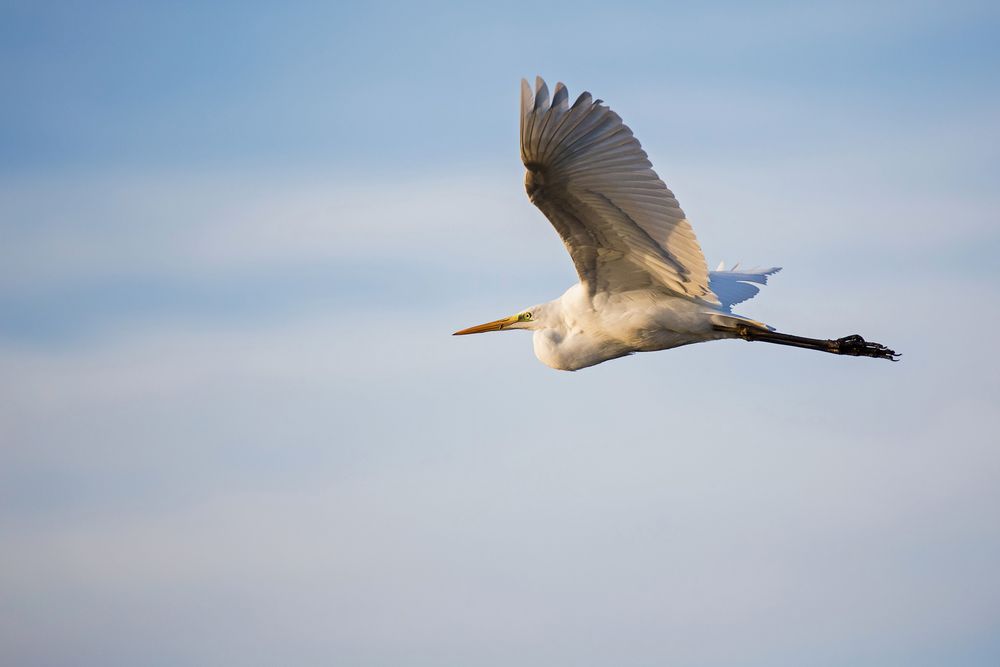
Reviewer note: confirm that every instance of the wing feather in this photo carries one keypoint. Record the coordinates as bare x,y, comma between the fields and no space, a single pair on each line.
588,174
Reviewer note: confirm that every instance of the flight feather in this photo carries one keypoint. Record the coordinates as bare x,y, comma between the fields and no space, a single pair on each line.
588,174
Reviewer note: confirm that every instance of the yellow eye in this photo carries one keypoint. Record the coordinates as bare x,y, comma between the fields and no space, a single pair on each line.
525,316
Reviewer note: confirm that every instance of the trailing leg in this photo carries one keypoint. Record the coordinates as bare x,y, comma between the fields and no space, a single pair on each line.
854,346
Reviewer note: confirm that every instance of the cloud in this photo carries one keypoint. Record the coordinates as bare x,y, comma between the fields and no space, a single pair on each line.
116,224
318,490
211,225
338,484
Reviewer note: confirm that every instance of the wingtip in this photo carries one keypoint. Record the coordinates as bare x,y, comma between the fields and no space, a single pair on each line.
584,98
560,98
541,94
527,98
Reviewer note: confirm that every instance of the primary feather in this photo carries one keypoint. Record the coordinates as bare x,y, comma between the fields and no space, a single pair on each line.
588,174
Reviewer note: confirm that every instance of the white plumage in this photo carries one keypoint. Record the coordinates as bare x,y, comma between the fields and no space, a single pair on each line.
591,178
736,285
644,284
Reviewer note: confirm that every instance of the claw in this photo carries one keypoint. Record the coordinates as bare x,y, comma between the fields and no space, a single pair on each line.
857,346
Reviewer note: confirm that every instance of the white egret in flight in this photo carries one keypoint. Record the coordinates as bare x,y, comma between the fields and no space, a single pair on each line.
644,284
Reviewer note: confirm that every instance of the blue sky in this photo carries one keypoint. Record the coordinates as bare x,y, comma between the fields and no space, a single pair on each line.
234,427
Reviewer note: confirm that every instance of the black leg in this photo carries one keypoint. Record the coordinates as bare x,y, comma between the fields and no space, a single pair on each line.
854,346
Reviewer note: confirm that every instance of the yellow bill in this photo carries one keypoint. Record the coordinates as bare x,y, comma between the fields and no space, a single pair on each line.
495,325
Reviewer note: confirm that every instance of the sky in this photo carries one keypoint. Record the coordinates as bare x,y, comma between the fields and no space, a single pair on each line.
235,429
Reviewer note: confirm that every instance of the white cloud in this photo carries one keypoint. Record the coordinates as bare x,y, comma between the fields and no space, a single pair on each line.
886,198
113,225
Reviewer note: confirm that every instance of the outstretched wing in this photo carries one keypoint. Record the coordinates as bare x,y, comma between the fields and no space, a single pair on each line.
592,180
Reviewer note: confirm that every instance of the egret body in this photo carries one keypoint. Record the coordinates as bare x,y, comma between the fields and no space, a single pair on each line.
644,284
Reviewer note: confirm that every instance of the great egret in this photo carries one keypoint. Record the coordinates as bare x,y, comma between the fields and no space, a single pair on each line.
644,284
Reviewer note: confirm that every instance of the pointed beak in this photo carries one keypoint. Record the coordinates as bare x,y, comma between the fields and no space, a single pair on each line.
495,325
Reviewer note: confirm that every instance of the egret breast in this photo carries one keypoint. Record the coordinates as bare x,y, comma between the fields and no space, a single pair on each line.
574,350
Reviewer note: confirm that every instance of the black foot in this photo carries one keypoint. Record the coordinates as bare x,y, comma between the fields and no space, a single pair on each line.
856,346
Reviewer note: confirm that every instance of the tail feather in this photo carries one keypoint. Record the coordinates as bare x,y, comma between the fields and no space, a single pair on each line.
736,285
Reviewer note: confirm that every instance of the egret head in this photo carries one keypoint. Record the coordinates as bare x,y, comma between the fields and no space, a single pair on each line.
526,319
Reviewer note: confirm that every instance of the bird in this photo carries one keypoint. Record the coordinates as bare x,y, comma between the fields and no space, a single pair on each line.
643,284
